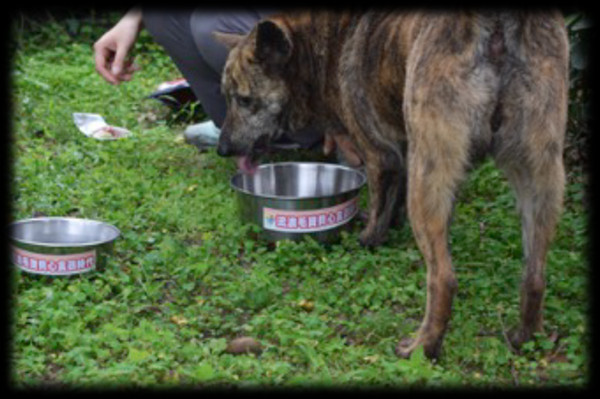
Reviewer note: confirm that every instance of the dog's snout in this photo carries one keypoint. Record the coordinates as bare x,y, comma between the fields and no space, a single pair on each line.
223,149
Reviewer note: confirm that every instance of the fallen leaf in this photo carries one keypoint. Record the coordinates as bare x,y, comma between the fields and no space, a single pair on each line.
306,305
371,359
179,320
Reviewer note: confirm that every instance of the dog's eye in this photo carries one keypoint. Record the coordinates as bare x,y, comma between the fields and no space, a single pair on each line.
244,101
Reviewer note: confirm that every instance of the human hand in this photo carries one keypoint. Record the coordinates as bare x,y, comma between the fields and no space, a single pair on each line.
111,51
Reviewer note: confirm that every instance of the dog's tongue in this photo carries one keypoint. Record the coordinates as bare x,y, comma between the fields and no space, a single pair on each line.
246,165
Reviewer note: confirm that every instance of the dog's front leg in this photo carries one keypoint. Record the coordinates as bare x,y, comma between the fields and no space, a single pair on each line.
385,179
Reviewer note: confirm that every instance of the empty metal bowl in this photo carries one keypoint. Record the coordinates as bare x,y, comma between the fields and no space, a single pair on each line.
291,199
60,246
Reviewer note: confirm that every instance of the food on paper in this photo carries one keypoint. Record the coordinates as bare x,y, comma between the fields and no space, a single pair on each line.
94,125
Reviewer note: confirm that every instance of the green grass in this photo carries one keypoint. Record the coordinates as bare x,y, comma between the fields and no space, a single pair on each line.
186,277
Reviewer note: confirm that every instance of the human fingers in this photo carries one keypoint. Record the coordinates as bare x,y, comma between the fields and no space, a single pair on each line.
102,58
128,71
119,66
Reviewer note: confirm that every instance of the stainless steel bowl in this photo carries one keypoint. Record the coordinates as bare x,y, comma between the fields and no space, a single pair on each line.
60,246
292,199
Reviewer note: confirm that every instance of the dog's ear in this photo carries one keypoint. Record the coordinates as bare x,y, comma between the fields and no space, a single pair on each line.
230,40
273,43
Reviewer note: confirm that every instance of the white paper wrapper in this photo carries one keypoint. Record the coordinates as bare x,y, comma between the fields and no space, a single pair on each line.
173,84
94,125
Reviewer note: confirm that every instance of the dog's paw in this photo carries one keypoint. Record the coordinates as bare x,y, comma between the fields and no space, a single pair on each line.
517,337
406,347
370,239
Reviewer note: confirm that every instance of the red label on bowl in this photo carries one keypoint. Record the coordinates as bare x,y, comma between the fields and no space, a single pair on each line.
309,221
55,265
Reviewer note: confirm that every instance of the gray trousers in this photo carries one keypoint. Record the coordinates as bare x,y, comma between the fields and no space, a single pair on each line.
186,36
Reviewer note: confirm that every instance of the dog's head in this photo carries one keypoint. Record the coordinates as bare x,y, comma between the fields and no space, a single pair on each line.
254,89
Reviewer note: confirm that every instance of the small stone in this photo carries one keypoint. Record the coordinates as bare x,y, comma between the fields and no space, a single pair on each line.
243,345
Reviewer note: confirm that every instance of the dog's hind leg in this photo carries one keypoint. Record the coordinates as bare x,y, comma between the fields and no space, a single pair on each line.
539,191
444,109
529,148
439,140
432,181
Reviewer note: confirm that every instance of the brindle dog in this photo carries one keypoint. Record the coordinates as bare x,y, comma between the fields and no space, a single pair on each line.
422,96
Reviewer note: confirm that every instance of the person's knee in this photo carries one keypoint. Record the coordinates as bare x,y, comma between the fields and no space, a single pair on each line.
166,28
154,23
202,25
